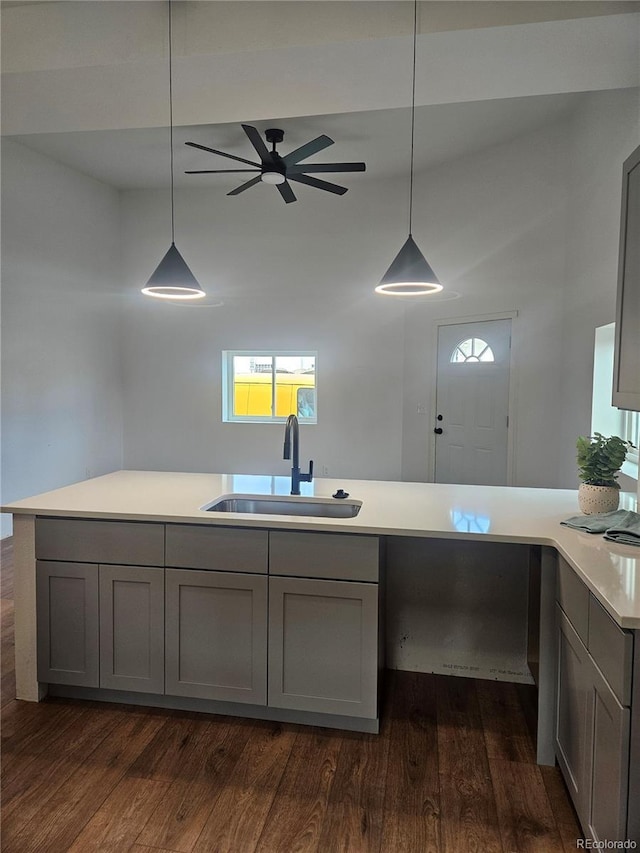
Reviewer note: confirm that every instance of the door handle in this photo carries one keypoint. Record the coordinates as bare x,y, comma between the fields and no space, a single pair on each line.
438,430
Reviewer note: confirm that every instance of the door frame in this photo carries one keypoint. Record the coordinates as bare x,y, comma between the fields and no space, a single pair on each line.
433,385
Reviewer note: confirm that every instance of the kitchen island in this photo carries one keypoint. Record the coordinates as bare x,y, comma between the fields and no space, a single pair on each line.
301,573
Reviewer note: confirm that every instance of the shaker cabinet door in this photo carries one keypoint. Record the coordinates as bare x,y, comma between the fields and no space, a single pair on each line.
132,628
67,607
609,763
573,713
323,646
216,635
626,371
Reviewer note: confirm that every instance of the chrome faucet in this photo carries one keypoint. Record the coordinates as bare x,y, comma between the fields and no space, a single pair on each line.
291,441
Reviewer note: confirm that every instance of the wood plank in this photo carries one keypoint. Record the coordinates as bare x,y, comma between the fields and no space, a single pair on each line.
6,567
240,811
412,802
118,822
30,727
174,751
355,814
527,823
53,755
295,819
63,815
506,733
182,814
563,811
528,697
469,816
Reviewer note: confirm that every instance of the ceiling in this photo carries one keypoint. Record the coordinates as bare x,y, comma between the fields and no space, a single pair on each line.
138,158
86,82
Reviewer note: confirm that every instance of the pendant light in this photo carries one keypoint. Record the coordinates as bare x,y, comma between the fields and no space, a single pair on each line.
410,274
172,278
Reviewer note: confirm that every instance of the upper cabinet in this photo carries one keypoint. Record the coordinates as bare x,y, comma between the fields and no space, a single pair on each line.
626,369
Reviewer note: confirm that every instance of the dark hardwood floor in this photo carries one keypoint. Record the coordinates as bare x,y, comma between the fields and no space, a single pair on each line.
452,771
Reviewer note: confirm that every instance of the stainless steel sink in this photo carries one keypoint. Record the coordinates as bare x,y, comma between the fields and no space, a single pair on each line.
319,507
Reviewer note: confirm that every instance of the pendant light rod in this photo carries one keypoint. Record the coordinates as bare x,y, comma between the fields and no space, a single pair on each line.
172,278
173,229
413,110
410,273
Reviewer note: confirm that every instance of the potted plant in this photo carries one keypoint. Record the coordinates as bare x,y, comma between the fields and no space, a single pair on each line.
599,460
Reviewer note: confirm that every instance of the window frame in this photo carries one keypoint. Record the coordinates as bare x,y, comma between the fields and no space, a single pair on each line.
228,401
606,417
471,358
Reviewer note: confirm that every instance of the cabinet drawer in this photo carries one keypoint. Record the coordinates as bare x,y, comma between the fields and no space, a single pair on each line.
573,596
88,541
333,556
231,549
612,650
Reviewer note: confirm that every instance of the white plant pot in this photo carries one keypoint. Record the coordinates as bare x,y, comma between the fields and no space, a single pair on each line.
596,499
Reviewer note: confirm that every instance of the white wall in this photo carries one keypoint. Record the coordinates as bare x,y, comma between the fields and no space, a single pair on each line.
604,132
292,277
503,227
493,227
61,370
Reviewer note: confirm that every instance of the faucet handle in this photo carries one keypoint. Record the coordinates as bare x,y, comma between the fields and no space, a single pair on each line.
308,477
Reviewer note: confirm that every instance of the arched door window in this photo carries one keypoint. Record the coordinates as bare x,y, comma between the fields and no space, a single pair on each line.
473,349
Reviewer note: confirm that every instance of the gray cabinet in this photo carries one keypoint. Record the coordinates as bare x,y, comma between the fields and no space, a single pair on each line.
593,713
216,635
278,618
67,617
607,751
323,646
572,718
132,628
626,371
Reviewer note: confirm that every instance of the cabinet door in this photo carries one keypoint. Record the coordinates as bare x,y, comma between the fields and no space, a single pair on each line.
216,635
323,646
67,608
626,370
609,762
132,628
573,717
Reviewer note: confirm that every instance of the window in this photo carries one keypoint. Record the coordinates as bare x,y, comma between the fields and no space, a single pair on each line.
473,349
604,417
267,387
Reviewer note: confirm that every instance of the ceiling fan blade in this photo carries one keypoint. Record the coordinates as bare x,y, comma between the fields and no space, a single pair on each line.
256,140
217,171
222,154
286,192
321,185
308,149
245,186
325,167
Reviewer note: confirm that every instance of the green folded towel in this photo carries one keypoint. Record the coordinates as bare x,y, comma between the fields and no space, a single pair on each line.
626,531
601,522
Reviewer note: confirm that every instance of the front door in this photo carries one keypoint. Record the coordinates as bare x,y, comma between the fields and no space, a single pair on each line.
472,403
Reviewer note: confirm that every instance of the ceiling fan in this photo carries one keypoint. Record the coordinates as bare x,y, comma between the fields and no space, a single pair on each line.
274,169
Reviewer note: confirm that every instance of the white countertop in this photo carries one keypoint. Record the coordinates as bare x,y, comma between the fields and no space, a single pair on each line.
490,513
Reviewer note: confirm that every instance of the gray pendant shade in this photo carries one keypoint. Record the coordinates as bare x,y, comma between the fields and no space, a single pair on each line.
172,278
409,273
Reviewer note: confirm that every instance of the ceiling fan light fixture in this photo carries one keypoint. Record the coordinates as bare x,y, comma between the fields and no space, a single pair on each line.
172,279
409,274
272,177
